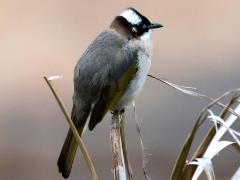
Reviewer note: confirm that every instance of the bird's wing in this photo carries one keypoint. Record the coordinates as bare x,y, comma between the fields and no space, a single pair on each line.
110,95
103,73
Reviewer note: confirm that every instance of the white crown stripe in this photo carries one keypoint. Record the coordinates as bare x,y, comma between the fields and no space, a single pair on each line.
131,16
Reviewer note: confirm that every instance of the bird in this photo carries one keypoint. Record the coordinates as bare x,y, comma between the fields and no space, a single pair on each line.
108,76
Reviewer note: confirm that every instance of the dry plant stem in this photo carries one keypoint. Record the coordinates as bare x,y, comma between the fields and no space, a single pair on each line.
118,158
144,157
124,146
74,131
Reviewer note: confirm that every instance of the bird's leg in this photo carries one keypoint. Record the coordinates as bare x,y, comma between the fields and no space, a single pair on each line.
120,117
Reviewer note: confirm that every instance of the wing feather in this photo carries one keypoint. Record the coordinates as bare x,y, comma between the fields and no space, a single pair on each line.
103,73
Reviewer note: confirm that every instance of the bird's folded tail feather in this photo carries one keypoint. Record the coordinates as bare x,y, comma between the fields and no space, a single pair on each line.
70,145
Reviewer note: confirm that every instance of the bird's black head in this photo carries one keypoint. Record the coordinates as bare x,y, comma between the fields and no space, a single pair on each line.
134,23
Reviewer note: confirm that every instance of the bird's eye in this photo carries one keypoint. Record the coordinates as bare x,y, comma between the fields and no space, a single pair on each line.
134,29
144,26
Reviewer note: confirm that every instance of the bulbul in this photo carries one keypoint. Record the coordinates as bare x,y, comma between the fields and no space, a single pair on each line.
109,75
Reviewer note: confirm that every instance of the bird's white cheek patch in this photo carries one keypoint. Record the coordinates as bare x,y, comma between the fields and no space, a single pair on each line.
131,16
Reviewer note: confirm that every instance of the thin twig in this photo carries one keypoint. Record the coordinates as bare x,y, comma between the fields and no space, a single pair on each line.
74,131
125,153
118,158
144,156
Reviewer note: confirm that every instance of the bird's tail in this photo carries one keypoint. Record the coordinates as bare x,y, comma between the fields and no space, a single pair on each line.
70,145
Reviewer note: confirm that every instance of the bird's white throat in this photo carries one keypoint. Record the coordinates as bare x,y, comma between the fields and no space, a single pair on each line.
146,35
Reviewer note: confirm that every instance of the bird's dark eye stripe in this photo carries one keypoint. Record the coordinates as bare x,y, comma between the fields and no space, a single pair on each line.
144,26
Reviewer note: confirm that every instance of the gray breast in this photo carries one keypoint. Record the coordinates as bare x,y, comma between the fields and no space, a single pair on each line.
137,83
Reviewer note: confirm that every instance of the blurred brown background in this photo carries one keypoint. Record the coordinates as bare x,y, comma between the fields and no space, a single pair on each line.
198,46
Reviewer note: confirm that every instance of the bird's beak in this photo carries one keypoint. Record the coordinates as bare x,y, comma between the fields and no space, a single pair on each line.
154,26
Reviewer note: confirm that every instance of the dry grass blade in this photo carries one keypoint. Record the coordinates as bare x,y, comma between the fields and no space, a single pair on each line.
57,77
189,91
206,141
188,172
206,164
226,108
215,140
184,89
218,120
220,146
144,156
74,130
180,163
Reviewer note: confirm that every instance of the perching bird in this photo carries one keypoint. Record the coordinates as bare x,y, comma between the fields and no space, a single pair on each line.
109,75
